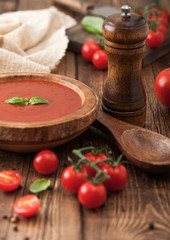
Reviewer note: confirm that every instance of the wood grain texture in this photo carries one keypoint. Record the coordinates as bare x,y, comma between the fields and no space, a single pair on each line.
74,6
8,5
141,211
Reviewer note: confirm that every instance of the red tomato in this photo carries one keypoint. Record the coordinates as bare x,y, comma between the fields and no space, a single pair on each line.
93,158
118,177
27,206
161,20
92,196
88,49
9,180
162,28
72,180
162,87
165,13
100,59
156,12
155,39
45,162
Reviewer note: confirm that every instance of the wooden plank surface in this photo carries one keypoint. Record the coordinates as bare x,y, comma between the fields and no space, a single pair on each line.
141,211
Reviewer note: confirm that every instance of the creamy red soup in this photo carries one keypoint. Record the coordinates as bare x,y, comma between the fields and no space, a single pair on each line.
63,101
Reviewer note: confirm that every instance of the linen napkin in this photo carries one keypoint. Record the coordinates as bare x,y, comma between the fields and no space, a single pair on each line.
34,40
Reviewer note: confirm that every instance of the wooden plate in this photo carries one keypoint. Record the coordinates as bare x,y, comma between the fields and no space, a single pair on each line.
35,136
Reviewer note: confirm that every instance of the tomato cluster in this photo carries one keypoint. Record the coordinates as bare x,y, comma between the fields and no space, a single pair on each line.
93,175
92,52
157,18
83,179
158,22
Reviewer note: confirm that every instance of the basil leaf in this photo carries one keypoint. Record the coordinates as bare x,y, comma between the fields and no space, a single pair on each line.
93,24
37,100
40,185
17,101
25,101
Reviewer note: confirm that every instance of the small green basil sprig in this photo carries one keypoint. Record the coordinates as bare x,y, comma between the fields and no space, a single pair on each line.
26,101
40,185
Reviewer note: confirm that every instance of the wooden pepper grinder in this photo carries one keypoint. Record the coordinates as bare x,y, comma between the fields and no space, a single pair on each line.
124,94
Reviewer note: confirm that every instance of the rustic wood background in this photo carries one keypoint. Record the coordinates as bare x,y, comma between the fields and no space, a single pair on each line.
141,211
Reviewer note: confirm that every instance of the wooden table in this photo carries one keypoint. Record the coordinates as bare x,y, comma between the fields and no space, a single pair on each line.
141,211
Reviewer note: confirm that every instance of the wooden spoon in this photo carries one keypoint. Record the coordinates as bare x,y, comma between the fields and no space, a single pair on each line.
146,149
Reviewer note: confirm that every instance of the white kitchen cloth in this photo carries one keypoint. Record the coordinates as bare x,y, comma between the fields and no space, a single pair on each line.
33,41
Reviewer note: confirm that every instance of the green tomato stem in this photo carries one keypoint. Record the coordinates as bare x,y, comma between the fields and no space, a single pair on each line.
83,160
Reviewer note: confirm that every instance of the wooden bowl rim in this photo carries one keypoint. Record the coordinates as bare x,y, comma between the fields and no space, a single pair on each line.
87,105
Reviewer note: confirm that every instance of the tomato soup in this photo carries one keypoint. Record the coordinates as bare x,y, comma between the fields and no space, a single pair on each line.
63,101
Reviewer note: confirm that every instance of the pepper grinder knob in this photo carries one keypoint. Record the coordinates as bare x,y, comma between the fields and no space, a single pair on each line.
124,40
125,11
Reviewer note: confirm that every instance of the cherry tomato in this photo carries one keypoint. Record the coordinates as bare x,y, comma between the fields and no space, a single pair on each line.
118,177
159,13
45,162
88,49
93,158
92,196
162,28
155,39
9,180
160,20
72,180
162,87
27,206
100,59
165,13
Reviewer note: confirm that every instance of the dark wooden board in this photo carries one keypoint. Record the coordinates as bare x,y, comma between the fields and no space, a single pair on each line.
78,36
86,8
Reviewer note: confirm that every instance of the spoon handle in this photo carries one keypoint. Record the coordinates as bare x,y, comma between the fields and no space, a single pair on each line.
112,126
147,150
